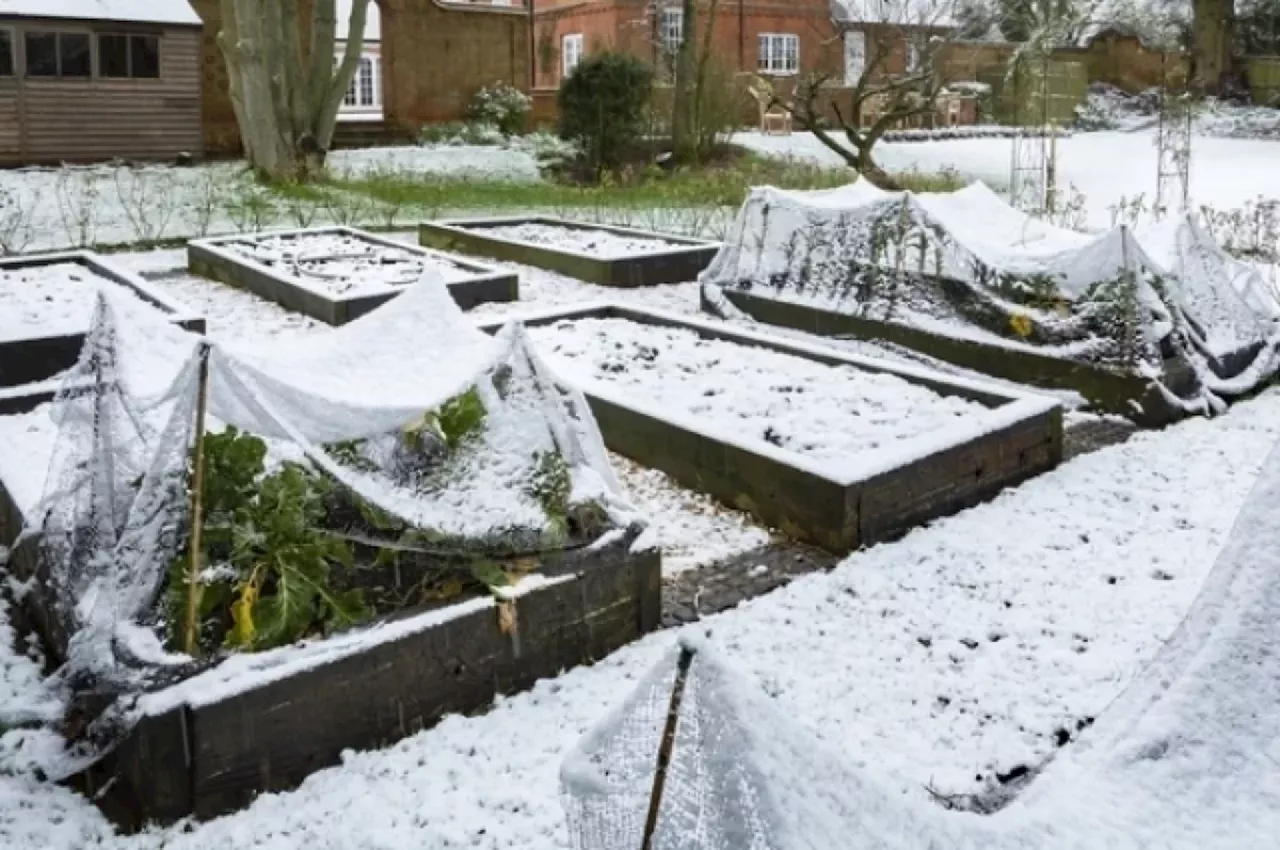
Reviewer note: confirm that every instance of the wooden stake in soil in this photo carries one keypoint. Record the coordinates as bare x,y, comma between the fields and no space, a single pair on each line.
189,643
668,744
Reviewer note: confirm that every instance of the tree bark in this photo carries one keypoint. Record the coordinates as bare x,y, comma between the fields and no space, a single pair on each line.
286,100
683,132
699,90
1213,36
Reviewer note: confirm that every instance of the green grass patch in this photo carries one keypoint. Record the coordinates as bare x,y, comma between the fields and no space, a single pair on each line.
724,185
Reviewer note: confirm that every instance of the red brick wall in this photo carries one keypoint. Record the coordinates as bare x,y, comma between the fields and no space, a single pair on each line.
435,55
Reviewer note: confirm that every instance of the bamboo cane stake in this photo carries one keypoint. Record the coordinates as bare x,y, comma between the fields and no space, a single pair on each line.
667,745
189,643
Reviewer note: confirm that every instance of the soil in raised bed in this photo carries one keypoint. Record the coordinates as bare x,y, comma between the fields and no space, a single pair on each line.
603,244
48,300
831,414
342,264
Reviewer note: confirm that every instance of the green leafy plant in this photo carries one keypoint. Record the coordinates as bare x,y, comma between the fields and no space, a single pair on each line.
501,105
602,106
267,561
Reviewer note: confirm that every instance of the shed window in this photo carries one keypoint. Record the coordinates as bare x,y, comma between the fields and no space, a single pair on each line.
6,53
122,56
58,54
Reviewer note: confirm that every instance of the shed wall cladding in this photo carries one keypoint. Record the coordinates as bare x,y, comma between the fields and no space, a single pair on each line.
83,119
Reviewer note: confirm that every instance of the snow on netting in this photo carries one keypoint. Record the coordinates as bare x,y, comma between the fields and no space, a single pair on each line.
409,432
1186,758
967,264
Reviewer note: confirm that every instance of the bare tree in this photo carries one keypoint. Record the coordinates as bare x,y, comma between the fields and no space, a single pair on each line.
882,97
286,98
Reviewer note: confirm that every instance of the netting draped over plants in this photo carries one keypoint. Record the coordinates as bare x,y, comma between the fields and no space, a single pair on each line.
407,433
1185,758
967,264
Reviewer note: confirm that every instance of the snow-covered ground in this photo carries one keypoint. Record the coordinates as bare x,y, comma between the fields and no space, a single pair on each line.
342,264
1105,168
48,300
961,650
603,244
831,414
472,161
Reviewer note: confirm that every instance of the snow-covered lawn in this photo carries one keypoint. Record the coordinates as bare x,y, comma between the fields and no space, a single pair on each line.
603,244
959,651
1105,167
833,415
471,161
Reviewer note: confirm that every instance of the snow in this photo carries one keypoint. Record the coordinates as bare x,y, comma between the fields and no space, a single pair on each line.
1104,167
830,414
53,299
132,11
476,161
602,244
1078,553
346,264
692,529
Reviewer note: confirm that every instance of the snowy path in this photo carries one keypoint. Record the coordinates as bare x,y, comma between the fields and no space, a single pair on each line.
1104,167
956,652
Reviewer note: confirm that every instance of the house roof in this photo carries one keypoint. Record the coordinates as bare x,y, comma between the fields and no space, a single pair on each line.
372,23
132,11
921,13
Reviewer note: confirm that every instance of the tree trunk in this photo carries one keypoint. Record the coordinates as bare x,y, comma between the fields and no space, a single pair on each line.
1213,34
286,100
700,135
683,133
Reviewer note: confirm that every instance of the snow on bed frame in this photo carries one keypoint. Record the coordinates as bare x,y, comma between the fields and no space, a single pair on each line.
262,722
1137,398
842,507
601,254
46,304
322,277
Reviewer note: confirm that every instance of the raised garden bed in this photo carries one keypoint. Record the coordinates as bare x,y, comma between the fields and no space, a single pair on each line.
1131,396
262,722
838,483
46,305
609,256
337,274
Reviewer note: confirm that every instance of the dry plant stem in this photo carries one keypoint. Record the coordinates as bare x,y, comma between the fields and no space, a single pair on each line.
189,642
668,744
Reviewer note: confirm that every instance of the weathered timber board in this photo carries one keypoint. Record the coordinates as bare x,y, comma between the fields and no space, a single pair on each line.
836,514
1134,397
217,755
38,357
677,265
210,258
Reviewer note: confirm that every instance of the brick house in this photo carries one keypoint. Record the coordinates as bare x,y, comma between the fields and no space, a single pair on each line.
782,39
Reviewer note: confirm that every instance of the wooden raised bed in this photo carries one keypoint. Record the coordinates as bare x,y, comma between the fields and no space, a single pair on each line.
211,258
676,265
38,356
205,747
1139,399
901,488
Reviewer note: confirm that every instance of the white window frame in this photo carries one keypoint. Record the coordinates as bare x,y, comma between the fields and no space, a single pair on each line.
855,56
670,29
778,53
570,53
367,81
915,56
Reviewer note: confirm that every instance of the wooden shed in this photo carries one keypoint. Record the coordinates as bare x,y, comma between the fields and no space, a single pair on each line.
91,80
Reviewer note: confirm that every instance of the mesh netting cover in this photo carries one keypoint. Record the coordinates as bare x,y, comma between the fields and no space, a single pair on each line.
1185,758
432,438
967,264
